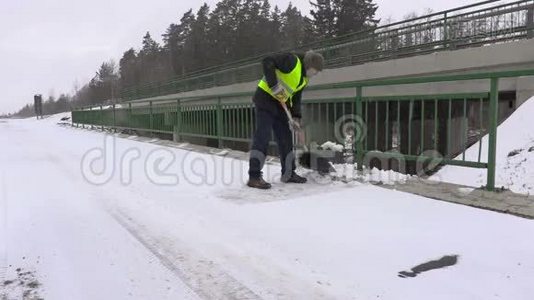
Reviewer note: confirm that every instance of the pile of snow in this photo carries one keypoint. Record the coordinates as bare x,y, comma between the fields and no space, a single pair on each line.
332,146
388,177
515,156
349,173
376,176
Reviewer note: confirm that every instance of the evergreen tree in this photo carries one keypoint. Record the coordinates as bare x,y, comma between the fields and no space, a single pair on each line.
175,38
48,105
354,15
323,19
153,61
196,47
106,72
333,18
62,104
222,31
248,36
107,80
268,28
147,58
293,28
128,69
310,34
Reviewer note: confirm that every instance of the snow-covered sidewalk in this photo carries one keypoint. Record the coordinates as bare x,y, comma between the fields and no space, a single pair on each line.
162,223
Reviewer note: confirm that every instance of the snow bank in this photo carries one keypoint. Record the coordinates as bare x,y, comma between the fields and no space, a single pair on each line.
515,155
348,172
332,146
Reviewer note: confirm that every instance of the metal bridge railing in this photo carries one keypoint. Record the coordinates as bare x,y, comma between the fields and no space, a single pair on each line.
467,26
388,129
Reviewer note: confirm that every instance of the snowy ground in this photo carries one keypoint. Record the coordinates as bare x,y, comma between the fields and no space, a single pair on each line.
515,156
161,223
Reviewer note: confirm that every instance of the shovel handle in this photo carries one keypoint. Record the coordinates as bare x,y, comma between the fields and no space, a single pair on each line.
288,114
292,122
299,135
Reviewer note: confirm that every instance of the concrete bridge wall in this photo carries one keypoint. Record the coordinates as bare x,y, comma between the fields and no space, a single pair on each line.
497,57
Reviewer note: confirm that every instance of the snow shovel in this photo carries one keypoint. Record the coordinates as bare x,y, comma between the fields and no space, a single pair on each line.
307,159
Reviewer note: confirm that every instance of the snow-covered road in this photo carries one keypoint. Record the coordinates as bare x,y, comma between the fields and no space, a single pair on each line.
150,222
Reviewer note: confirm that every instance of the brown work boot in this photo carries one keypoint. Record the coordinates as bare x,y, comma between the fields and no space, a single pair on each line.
258,183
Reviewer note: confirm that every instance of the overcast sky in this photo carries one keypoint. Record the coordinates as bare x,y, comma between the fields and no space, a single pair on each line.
48,45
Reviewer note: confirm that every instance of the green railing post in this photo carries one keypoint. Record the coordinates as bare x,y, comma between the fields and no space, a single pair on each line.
151,116
114,119
219,122
81,114
130,115
92,118
85,118
530,22
72,123
445,30
492,146
394,37
101,118
178,126
359,136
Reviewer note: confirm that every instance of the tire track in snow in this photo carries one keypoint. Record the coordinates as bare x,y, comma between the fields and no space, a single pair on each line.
203,276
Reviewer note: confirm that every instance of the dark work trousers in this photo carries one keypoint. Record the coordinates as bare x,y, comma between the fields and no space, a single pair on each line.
267,120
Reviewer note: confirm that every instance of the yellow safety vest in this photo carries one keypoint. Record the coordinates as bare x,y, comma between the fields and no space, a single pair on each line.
289,80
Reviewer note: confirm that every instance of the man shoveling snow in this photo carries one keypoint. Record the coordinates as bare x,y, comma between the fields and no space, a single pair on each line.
285,76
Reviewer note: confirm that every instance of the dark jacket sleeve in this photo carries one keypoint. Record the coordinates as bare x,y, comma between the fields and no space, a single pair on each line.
284,62
296,110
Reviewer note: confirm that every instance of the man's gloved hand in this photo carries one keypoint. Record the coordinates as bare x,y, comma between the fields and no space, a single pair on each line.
280,93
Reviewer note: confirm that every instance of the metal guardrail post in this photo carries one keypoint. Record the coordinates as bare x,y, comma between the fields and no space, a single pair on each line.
492,145
92,117
530,22
219,122
359,136
101,118
151,116
445,30
84,121
72,124
178,126
395,44
79,115
114,119
130,115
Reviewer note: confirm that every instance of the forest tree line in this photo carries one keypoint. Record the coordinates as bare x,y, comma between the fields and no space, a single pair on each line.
232,30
